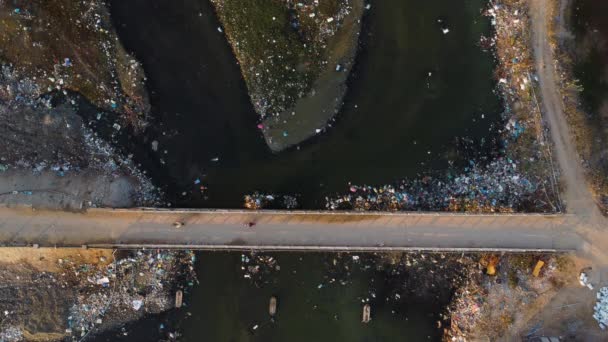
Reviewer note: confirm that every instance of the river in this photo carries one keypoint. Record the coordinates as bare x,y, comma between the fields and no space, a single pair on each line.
413,92
320,298
397,121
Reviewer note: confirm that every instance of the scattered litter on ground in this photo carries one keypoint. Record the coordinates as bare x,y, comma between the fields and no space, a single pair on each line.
257,201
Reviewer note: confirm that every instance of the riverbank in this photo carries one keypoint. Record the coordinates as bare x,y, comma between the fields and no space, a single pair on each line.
519,177
295,58
67,294
48,52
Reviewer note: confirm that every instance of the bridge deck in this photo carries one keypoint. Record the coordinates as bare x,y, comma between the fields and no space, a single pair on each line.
280,230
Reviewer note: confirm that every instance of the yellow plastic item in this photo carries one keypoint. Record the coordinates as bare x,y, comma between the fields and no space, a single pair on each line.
538,267
491,270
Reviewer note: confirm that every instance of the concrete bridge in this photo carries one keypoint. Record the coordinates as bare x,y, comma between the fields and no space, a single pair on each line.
289,230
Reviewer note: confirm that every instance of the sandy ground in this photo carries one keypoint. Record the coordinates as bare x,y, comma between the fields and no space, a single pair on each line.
45,259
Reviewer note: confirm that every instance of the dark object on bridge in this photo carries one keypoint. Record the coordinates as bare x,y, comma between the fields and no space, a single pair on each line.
178,224
272,306
251,224
367,313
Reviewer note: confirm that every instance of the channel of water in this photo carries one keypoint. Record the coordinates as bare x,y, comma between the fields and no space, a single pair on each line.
414,91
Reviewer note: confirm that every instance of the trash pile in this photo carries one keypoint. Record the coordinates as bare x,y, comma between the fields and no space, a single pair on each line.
524,135
104,157
257,201
497,291
497,187
465,310
141,283
256,267
600,310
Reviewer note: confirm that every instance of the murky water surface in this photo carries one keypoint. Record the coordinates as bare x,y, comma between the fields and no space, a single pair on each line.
320,297
413,92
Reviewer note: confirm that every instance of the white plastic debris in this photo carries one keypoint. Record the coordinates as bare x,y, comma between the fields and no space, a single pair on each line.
584,280
600,311
137,303
103,281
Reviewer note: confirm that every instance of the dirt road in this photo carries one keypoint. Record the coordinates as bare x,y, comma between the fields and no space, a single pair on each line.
578,198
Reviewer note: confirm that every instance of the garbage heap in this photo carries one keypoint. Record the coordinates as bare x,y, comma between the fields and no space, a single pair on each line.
141,283
497,187
258,200
500,293
600,311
